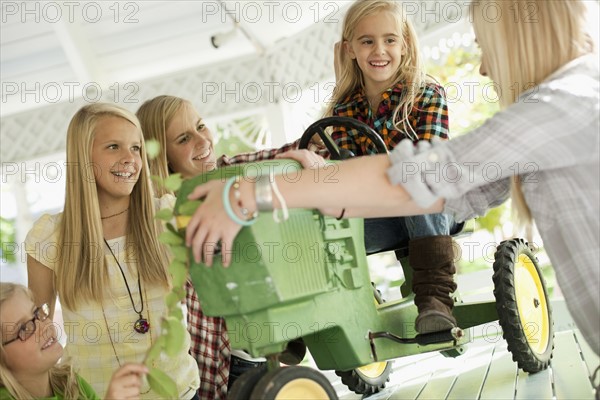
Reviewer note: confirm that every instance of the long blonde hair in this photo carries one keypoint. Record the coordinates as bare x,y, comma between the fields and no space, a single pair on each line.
529,41
155,115
63,379
82,273
410,71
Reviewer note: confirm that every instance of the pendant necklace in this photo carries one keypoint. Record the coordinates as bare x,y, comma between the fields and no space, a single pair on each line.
112,343
141,325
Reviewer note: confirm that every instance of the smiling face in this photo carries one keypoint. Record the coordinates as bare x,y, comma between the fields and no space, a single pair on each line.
116,158
38,353
190,148
377,46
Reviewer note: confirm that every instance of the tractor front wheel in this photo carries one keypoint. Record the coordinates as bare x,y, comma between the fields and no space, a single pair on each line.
244,385
293,383
523,308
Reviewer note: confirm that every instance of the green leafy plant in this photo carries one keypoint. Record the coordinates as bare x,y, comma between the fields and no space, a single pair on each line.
7,238
172,328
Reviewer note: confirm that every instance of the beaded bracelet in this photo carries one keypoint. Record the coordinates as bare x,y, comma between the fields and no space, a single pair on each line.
227,204
238,198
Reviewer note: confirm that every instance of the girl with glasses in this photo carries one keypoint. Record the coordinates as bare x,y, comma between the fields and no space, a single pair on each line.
29,354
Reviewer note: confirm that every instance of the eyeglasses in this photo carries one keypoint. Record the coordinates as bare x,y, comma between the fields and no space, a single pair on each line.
41,313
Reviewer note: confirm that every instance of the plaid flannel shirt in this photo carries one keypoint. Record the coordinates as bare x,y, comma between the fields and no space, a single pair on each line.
210,343
210,348
224,160
428,118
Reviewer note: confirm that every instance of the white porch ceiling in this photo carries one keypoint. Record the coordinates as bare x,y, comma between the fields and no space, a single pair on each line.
56,56
53,50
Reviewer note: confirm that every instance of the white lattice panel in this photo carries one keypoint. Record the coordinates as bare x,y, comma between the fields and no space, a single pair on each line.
309,58
36,133
213,90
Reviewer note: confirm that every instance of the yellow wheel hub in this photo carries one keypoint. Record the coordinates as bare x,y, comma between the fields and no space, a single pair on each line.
373,370
301,388
531,304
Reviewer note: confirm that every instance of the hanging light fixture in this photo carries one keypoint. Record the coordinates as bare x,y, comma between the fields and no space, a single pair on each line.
221,38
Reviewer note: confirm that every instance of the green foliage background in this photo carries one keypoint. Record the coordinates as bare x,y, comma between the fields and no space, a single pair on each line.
7,237
471,101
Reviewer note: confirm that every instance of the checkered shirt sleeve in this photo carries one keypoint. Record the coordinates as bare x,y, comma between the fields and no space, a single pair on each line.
210,348
257,156
268,154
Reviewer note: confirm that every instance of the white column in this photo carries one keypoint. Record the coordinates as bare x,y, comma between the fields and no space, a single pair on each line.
17,272
277,114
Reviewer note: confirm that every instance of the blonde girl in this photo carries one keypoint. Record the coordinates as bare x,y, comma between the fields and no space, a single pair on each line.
381,82
101,255
30,351
187,147
380,79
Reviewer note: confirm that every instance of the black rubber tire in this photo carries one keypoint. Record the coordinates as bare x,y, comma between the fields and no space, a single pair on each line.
527,358
365,385
271,385
244,385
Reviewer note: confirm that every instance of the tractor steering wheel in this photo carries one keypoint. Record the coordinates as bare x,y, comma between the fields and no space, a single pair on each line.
334,150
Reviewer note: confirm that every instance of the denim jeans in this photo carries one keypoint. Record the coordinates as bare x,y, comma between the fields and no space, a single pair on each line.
382,234
238,366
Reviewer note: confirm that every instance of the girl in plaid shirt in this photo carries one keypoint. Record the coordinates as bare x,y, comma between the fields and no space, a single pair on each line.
380,81
187,148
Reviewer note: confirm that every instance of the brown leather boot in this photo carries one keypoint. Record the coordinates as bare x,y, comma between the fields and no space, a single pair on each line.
432,260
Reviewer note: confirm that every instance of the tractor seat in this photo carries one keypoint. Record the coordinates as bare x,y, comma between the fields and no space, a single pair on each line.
401,248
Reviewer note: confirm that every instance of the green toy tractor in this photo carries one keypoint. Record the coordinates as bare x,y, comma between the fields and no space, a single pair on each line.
306,281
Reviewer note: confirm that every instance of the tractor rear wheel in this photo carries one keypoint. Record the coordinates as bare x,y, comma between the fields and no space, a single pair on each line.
371,378
367,380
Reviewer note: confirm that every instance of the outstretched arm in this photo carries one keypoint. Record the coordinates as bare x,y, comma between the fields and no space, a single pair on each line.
359,185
